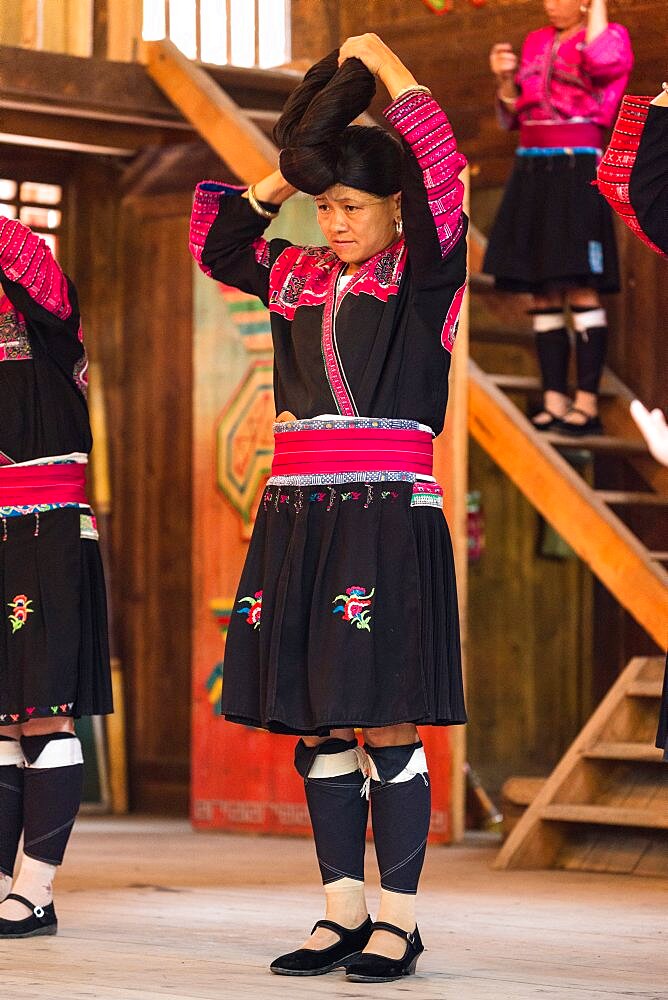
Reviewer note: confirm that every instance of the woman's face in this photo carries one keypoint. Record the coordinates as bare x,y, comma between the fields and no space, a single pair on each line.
563,14
357,224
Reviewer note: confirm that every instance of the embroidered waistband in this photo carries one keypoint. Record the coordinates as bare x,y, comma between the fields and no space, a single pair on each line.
32,485
564,135
351,451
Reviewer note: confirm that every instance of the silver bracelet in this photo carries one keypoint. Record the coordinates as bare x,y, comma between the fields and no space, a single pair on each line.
257,207
507,100
417,87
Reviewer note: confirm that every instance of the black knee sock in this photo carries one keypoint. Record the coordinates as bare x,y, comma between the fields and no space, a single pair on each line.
338,810
52,794
553,347
590,352
11,803
400,814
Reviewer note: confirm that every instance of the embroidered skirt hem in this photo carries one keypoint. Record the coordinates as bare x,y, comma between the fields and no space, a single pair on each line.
54,650
346,614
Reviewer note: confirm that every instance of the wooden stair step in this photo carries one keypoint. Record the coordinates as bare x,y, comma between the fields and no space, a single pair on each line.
643,752
606,815
645,689
597,442
531,383
633,498
659,556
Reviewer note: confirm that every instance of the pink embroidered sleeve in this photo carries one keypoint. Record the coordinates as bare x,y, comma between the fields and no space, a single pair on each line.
425,127
609,56
205,210
27,260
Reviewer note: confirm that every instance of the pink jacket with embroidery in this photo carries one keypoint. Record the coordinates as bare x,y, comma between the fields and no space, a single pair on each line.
42,359
572,80
382,346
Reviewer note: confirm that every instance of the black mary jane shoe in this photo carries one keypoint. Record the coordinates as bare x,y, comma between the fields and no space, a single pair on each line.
591,427
42,920
371,968
545,425
317,962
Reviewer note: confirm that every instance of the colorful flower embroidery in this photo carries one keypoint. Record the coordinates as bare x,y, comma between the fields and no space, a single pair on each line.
254,610
355,607
21,608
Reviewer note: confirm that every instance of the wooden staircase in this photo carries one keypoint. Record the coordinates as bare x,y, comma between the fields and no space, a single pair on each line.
582,515
605,806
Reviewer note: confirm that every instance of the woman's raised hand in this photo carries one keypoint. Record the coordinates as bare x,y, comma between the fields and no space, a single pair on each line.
369,48
503,61
380,60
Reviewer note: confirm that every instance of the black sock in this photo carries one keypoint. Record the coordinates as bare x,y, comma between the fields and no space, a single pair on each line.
554,348
52,794
338,810
400,814
11,806
590,352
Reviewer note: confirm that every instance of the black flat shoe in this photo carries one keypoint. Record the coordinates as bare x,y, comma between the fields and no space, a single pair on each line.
370,968
591,427
547,425
312,962
42,920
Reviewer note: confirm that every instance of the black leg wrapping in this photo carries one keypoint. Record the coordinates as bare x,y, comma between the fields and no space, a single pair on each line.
52,797
553,347
590,352
400,814
11,811
339,813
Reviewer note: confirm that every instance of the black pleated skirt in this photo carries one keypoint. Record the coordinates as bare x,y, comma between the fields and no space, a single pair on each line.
54,650
346,614
553,228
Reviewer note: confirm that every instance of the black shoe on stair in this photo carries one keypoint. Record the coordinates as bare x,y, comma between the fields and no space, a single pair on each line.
42,920
371,968
317,962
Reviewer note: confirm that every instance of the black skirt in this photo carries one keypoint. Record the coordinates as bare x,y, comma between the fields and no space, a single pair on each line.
54,652
553,229
346,614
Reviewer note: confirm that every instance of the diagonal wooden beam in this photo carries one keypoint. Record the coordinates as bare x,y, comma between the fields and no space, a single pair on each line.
564,499
217,118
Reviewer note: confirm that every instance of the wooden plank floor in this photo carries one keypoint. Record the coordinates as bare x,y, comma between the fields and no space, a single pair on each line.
149,910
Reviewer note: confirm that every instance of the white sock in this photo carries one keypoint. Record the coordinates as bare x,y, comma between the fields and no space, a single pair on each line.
35,883
5,886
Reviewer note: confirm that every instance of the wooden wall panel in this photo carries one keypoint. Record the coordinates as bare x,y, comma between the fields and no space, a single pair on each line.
152,517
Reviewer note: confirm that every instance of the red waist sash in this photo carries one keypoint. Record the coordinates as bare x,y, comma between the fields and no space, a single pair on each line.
30,485
327,452
561,134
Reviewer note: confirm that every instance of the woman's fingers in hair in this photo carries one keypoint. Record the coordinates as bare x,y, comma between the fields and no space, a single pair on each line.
368,48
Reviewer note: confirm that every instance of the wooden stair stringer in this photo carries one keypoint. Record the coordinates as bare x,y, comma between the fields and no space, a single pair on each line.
226,127
535,841
563,498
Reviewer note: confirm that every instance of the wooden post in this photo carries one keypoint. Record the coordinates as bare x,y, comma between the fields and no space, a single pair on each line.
451,470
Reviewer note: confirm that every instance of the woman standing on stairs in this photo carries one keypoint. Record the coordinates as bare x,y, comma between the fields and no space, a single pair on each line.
54,660
553,236
346,614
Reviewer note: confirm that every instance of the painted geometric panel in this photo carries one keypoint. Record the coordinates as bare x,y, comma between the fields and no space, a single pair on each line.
244,439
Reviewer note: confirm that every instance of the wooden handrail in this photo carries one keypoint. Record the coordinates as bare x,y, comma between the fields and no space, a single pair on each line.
564,499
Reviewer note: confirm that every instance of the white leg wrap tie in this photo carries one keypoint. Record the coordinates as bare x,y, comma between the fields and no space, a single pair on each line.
544,322
416,765
583,321
59,753
11,753
330,765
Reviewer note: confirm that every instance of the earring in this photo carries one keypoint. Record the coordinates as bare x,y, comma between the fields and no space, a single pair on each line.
399,227
584,8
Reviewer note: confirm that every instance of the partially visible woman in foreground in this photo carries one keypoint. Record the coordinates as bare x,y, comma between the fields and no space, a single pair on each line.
633,177
347,608
54,656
